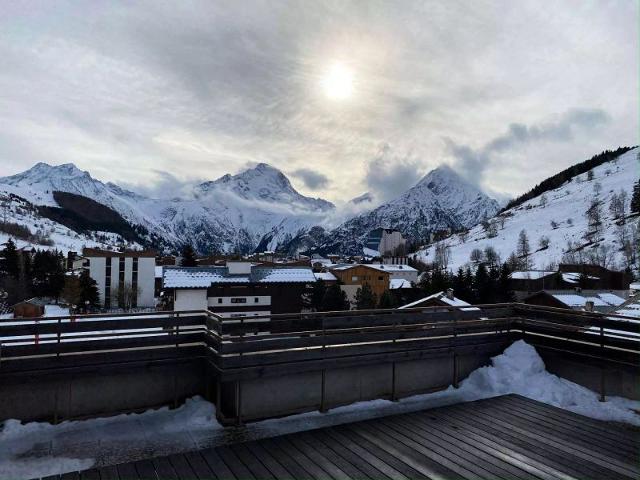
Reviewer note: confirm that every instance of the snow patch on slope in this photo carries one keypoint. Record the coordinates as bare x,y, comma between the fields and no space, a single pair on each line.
566,206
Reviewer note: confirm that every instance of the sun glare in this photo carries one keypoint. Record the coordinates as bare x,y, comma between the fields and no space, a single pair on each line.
338,82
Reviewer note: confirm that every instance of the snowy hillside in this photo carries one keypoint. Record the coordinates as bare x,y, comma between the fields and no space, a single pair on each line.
441,200
560,216
43,233
233,212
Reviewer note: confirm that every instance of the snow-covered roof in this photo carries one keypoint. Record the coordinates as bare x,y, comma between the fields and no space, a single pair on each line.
396,283
611,299
530,275
326,276
634,286
190,277
282,275
322,261
442,296
378,266
158,271
574,277
369,252
203,277
575,300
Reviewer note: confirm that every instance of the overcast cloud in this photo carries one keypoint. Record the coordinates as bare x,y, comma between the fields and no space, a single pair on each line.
506,92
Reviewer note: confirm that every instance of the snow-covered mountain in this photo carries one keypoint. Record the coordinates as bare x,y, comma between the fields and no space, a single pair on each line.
558,216
441,200
233,212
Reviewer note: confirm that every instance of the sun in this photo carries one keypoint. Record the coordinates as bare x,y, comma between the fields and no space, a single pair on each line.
337,82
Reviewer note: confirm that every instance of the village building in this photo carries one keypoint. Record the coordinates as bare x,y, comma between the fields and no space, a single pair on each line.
440,299
384,241
378,276
238,289
587,300
130,273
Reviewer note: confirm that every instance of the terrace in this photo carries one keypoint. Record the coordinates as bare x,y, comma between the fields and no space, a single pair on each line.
63,368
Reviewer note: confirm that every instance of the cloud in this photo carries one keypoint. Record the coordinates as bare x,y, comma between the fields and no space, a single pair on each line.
474,163
389,175
164,185
313,180
199,88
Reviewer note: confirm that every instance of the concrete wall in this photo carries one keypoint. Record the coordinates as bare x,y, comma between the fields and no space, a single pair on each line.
277,396
190,299
620,381
49,397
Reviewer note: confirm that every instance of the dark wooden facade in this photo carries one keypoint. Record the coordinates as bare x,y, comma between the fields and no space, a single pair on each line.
285,297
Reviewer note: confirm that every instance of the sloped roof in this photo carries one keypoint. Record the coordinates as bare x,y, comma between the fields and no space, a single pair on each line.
203,277
454,302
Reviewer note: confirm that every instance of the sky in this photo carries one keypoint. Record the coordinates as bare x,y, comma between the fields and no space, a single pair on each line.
343,97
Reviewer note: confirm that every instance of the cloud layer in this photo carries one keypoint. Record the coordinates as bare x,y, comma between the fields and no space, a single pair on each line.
199,89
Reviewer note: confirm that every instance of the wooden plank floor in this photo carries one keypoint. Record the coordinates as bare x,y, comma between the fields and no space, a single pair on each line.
500,438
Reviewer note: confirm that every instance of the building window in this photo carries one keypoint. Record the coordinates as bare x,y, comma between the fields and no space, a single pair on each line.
238,300
354,278
107,283
219,300
256,300
380,278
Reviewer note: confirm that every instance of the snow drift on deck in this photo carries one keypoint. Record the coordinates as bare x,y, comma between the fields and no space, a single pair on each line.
40,449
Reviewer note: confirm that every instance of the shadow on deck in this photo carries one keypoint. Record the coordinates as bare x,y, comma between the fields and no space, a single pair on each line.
503,437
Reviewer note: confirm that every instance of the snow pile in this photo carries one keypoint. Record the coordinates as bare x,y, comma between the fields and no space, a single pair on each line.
520,370
40,449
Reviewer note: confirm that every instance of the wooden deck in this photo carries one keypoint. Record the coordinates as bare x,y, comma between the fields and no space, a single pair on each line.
505,437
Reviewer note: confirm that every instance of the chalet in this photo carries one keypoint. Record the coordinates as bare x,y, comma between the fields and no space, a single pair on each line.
440,299
116,272
587,300
524,283
594,277
378,276
238,289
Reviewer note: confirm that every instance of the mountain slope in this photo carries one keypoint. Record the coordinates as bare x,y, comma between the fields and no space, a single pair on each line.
559,215
231,213
441,200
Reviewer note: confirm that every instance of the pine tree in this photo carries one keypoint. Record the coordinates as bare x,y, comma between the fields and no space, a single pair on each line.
635,198
365,298
387,300
89,296
505,294
10,261
335,299
188,256
317,295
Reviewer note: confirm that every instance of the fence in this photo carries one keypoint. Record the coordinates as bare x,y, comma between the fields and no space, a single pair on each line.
257,367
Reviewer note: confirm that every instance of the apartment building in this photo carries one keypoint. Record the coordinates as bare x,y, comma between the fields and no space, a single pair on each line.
125,279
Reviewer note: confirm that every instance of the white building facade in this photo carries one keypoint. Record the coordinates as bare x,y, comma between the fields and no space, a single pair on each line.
119,272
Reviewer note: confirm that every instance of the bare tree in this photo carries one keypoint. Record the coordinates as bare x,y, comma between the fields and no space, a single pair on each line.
441,255
476,255
128,295
594,220
491,256
543,200
523,249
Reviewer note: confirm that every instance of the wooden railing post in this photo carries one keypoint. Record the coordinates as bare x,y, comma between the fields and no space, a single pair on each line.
602,374
394,395
323,380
